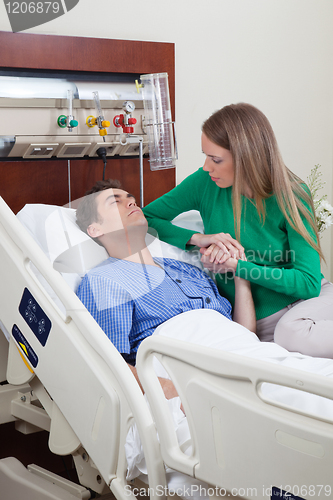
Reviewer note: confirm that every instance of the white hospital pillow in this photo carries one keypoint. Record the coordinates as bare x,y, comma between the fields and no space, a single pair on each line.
55,230
190,220
72,252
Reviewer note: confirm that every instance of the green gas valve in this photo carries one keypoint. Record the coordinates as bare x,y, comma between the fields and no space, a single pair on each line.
62,122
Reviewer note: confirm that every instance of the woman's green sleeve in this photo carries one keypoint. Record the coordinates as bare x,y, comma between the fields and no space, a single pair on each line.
300,277
162,211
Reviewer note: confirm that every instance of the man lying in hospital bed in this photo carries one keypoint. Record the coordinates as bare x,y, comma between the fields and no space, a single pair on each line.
217,331
131,294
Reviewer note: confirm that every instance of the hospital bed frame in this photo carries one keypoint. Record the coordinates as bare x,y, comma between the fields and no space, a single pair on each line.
242,442
87,395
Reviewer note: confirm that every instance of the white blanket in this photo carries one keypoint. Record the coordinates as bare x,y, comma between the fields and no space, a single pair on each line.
211,329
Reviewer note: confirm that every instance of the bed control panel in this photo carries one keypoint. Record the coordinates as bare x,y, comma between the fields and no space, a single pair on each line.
35,317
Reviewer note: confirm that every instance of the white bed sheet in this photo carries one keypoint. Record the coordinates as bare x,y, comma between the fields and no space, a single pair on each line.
210,329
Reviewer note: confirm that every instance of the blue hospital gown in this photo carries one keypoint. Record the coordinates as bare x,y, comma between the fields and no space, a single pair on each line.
129,300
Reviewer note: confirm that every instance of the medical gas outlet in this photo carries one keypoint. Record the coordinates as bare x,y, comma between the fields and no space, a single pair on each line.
126,120
67,121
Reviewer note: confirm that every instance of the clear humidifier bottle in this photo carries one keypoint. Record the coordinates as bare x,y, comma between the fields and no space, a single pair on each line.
158,121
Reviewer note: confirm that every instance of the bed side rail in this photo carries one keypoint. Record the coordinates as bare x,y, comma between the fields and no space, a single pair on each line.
242,441
87,380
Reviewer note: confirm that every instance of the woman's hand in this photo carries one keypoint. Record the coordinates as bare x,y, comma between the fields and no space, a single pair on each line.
211,243
220,267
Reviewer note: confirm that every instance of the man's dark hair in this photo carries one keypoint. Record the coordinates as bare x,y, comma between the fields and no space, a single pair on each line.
86,212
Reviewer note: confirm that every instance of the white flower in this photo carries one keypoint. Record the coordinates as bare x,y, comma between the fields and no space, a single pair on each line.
323,209
324,205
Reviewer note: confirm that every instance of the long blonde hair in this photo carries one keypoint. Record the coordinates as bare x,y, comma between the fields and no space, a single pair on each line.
258,165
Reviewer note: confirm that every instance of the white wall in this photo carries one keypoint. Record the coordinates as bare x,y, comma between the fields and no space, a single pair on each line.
275,54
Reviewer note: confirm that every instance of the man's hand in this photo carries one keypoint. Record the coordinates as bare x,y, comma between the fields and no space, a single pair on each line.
168,388
220,267
166,384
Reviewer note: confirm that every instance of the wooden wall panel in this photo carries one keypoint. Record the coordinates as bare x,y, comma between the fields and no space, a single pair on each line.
46,181
33,182
87,172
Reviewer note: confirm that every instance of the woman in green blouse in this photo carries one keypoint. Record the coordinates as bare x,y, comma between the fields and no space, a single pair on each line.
259,225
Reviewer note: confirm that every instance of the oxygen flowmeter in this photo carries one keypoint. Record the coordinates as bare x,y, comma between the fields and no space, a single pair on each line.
69,120
102,124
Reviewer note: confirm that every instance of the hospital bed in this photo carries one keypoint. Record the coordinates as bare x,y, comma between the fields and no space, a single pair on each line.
66,377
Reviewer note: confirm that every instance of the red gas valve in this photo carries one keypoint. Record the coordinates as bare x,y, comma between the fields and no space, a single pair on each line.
124,122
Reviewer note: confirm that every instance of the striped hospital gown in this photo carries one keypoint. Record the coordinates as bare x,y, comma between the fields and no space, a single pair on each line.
129,300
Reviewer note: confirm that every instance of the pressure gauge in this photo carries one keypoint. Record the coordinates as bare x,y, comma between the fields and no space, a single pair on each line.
129,106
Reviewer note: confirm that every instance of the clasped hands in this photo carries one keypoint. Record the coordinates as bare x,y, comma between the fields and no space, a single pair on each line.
220,252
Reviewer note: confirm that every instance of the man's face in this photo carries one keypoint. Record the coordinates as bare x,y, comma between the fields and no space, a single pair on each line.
117,211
